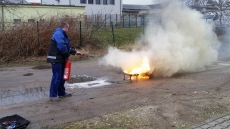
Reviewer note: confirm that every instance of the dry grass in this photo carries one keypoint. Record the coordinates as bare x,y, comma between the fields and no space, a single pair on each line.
26,41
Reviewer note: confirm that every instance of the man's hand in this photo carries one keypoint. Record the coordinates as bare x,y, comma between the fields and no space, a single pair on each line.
72,51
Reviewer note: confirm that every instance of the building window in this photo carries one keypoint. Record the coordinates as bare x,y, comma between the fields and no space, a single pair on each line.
90,1
112,2
17,21
98,1
42,20
83,1
105,2
31,20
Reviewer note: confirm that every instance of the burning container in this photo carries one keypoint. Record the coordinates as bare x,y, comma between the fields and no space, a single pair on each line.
141,70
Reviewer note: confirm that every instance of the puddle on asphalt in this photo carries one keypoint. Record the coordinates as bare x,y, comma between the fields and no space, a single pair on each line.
23,95
85,82
90,84
224,63
217,65
80,79
32,94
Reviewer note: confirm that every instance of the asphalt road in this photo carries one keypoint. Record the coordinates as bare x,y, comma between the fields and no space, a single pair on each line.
175,102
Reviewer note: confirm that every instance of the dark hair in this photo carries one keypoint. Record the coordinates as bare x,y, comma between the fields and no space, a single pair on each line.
63,24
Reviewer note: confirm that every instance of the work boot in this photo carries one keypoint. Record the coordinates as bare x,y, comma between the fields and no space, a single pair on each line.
66,95
54,99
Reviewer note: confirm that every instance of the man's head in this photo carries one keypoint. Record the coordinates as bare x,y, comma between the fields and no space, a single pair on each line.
64,26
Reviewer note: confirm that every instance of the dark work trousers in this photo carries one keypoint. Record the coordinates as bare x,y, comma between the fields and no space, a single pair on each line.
57,83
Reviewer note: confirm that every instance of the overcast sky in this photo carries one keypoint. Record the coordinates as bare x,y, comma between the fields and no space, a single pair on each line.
139,2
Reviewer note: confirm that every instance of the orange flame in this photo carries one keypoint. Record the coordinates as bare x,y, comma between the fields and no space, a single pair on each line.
141,70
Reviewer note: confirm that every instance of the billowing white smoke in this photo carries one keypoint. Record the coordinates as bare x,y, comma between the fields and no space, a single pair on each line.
181,41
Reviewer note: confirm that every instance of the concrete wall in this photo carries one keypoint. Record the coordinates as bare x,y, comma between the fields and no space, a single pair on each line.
25,12
91,8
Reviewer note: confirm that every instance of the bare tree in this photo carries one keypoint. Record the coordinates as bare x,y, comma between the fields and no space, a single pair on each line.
221,9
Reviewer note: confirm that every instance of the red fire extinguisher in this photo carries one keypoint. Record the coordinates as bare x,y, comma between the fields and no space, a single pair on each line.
67,70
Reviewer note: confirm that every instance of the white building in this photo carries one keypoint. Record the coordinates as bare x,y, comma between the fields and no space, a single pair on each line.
14,1
91,6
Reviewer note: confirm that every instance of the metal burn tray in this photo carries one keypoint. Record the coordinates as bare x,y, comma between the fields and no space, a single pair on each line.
130,76
13,122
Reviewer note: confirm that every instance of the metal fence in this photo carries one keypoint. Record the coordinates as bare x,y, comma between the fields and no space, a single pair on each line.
126,20
26,39
32,38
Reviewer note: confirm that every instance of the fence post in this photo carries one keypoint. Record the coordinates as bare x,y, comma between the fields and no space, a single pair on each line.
80,35
3,22
123,21
38,31
116,20
105,20
112,32
143,24
136,20
86,21
110,18
129,20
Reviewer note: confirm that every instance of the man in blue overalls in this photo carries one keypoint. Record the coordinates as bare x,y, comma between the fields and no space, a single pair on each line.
58,53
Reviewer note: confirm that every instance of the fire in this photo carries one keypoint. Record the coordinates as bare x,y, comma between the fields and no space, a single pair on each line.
142,69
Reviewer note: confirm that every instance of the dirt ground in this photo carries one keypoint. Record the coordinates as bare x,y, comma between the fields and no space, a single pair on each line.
158,103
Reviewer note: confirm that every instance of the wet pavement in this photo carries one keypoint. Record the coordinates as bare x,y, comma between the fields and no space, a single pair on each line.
24,84
16,88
